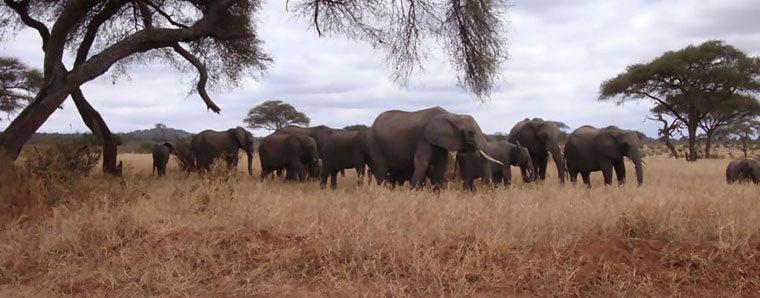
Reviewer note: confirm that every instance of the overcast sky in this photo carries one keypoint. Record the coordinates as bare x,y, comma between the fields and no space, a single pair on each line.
559,53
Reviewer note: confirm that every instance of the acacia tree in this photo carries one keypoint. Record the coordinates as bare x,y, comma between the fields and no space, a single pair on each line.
744,129
668,130
273,115
688,84
727,112
18,84
217,40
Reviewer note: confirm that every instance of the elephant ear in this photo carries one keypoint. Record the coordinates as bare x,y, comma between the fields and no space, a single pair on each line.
608,140
441,131
171,148
239,134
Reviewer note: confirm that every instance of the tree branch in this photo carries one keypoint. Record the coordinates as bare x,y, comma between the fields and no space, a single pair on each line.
73,12
165,15
202,76
664,104
111,8
22,9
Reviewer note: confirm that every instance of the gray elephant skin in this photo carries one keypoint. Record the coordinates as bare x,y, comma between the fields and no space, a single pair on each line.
743,170
343,149
591,149
161,154
321,134
540,137
294,153
470,167
401,140
209,145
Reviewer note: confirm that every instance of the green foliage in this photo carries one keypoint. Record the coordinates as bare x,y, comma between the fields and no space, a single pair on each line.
356,127
273,115
18,84
705,86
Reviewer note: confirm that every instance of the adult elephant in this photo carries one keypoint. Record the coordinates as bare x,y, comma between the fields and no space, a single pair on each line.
591,149
209,145
743,170
294,153
507,153
541,138
344,150
161,154
400,140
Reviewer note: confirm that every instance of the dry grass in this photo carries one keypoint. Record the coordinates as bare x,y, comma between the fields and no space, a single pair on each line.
685,233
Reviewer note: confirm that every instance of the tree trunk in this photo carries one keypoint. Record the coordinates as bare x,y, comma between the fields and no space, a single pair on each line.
744,146
692,127
708,143
30,119
98,127
670,146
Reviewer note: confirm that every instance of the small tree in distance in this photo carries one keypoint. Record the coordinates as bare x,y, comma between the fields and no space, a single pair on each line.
273,115
18,84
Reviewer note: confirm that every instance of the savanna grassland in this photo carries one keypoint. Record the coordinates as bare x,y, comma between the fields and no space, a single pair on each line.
684,233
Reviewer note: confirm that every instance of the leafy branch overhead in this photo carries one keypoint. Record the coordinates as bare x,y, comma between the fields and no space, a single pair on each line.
471,32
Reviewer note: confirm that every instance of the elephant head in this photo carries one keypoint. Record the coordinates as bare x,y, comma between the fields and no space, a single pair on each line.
313,162
616,143
459,133
244,141
170,146
520,157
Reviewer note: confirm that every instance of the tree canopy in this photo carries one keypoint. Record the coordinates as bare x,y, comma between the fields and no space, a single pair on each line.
18,84
218,41
273,115
693,84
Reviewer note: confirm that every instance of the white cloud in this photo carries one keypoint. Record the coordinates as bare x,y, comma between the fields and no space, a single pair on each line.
560,51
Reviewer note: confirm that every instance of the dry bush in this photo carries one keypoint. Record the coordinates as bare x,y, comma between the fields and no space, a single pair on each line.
222,233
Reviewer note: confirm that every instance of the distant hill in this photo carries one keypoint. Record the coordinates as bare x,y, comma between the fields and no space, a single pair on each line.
157,134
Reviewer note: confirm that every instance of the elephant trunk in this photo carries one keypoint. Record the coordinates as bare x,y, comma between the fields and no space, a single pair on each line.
531,175
557,157
250,163
636,158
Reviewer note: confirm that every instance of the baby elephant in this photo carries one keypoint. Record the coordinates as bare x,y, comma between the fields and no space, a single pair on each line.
743,170
161,154
470,166
294,153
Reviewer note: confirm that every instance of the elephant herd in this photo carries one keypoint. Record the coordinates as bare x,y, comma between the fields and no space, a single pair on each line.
414,146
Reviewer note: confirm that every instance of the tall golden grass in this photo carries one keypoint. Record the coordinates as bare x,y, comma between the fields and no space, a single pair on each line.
685,232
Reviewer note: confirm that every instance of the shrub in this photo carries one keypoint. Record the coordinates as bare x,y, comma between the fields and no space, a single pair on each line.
65,161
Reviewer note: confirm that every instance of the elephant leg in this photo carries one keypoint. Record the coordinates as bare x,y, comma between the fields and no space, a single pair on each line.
620,172
542,162
360,175
586,178
334,180
606,167
300,171
422,159
506,175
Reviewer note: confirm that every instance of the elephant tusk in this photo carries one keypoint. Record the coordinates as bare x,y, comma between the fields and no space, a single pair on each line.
319,162
490,158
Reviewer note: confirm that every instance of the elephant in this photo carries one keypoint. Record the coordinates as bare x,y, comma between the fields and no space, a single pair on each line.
209,145
161,157
541,138
509,154
294,153
321,135
345,149
743,170
591,149
400,140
